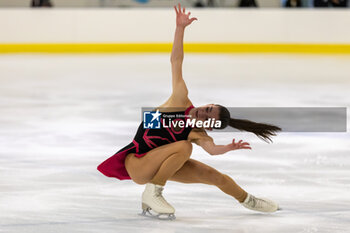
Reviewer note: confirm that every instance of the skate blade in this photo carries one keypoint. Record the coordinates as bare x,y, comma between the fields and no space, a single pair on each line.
146,212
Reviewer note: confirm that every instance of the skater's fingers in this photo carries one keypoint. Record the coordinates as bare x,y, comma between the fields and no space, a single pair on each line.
193,19
240,141
176,10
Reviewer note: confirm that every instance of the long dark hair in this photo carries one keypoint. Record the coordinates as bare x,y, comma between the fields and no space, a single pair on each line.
262,130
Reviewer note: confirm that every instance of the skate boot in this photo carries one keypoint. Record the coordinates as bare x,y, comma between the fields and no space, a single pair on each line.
260,204
152,199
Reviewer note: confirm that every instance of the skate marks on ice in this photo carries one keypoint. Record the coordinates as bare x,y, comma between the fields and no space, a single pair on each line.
63,115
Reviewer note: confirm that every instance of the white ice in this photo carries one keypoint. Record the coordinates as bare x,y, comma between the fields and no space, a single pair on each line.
62,115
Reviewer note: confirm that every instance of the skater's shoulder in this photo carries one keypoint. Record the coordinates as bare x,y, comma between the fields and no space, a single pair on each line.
197,134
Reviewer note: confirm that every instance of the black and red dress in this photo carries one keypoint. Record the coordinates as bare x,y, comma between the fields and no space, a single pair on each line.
144,141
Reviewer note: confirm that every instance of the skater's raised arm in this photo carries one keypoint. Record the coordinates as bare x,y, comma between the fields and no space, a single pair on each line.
179,89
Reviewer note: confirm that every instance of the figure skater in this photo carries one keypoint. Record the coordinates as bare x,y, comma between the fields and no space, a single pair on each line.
158,155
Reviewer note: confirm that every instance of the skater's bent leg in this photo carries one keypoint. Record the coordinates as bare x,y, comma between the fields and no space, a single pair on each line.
194,171
142,170
172,164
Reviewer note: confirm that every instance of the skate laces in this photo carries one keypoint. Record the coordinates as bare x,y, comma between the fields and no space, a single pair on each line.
256,202
158,191
159,196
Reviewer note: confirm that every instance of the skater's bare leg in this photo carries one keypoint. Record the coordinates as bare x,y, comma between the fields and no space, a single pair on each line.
194,171
159,164
172,164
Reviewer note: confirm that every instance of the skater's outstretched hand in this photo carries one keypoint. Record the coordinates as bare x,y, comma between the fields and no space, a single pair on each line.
240,145
183,19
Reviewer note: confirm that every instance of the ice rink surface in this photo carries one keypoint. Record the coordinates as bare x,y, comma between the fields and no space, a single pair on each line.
62,115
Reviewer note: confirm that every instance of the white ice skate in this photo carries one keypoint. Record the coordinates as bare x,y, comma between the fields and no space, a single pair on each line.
260,204
152,199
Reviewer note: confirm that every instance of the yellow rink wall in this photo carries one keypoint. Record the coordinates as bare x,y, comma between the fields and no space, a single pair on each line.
166,48
151,31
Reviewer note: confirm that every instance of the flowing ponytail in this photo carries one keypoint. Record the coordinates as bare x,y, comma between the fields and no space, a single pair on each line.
261,130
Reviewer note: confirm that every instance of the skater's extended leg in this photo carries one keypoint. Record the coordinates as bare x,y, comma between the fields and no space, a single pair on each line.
194,171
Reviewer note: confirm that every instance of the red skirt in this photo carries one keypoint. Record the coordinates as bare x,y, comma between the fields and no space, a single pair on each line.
115,165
